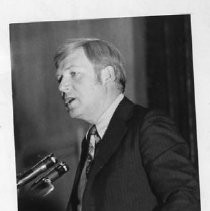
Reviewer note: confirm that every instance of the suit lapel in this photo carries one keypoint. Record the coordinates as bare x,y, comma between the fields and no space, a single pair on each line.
79,171
113,136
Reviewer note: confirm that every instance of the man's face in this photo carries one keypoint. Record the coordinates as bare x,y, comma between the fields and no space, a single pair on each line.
82,93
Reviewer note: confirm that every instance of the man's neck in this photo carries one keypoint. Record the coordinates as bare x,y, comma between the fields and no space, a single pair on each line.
106,104
105,118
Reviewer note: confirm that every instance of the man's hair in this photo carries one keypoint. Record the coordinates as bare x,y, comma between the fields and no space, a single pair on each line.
100,53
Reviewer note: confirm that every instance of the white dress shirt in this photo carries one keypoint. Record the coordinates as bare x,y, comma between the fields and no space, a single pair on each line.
103,122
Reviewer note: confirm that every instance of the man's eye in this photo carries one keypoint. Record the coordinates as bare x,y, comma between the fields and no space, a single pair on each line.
74,74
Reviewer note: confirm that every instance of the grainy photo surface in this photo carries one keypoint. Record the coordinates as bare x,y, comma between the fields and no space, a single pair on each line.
56,104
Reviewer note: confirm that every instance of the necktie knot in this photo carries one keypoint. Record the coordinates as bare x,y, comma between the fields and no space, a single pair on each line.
92,130
93,133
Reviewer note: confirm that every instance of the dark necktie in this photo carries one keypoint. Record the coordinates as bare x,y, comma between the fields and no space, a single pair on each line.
93,138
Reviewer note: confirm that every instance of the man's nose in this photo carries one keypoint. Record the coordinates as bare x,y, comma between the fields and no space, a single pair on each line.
65,85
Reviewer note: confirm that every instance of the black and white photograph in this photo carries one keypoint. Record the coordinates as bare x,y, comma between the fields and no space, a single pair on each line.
104,106
104,114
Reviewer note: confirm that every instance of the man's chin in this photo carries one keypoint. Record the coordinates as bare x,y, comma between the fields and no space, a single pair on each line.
73,114
76,115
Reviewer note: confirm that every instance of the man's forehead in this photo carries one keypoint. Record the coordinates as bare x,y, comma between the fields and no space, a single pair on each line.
74,56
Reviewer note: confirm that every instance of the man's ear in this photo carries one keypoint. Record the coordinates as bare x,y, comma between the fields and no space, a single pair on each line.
107,74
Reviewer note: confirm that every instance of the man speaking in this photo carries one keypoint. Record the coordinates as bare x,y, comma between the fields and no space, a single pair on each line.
132,158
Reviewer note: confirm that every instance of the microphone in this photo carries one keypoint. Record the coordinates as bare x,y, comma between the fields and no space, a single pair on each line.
44,185
37,169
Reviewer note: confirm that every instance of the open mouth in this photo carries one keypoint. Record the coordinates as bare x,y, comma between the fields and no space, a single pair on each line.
68,101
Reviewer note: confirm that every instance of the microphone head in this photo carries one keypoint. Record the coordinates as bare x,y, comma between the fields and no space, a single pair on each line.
44,164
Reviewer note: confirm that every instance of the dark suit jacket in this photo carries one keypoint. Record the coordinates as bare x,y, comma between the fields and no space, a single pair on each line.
141,164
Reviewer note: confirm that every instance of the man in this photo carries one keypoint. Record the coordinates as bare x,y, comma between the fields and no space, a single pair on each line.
132,159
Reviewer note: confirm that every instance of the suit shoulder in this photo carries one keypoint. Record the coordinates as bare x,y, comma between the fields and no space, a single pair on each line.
159,119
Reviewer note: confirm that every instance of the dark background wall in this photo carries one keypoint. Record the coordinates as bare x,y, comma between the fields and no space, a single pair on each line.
158,57
170,73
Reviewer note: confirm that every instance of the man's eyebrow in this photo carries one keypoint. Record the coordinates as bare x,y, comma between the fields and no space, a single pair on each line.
70,66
